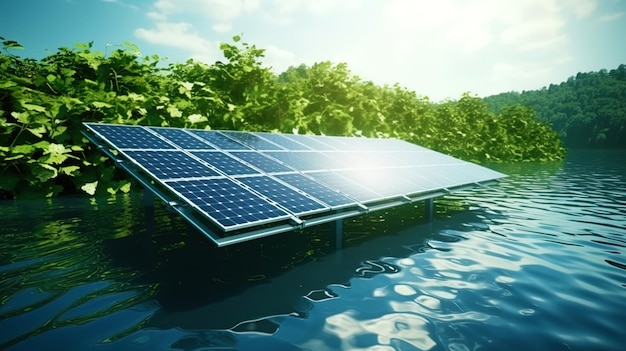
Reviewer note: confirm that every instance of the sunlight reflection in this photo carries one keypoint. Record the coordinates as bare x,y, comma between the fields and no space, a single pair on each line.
406,327
404,290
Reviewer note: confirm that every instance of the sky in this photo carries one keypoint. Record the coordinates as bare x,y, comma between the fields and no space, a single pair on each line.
437,48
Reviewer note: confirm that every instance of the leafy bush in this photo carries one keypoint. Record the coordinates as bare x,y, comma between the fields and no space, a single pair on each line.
43,103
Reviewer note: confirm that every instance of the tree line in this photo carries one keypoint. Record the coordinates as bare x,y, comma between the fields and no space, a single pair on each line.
43,103
587,111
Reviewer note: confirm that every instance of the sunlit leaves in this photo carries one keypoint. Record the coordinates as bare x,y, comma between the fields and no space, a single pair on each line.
90,188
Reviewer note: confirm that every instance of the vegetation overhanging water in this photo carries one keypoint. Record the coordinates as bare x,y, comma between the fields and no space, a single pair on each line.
43,103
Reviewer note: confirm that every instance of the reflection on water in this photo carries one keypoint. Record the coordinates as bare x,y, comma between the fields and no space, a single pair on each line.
535,262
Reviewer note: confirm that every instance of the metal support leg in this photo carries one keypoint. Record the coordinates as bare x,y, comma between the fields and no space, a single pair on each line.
338,228
148,198
429,205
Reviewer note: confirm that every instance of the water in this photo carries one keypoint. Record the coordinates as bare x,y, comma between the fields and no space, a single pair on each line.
536,262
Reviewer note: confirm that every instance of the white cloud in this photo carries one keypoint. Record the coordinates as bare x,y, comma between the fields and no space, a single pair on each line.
539,33
222,27
438,48
279,59
156,16
611,17
584,8
318,7
178,35
122,3
221,11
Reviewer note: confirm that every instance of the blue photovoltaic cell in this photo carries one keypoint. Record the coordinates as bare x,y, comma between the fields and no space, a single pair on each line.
428,177
310,142
304,160
352,189
170,164
338,143
281,194
227,203
183,139
283,141
261,162
362,160
253,141
416,183
385,182
129,137
429,158
219,140
315,189
224,162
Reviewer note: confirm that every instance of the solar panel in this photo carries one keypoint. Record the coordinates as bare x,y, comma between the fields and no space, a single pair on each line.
219,140
346,186
236,186
228,204
170,164
313,144
182,139
224,163
288,198
252,140
262,162
285,142
325,194
131,137
304,160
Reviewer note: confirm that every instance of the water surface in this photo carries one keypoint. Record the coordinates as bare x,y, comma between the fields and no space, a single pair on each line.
534,262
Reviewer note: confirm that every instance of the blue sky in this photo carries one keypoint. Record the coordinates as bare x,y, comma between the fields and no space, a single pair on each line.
437,48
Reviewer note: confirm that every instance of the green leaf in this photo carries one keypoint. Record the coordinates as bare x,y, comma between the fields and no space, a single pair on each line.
187,85
196,118
38,131
43,172
22,117
90,188
57,149
100,104
53,158
11,44
69,170
23,149
125,188
11,158
58,132
174,111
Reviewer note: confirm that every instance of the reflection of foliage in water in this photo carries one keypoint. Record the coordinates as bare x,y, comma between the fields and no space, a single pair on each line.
84,260
52,260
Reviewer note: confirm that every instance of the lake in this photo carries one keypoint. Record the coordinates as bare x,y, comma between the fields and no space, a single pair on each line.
536,261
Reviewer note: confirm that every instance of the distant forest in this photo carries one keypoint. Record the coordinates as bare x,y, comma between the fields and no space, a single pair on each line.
587,111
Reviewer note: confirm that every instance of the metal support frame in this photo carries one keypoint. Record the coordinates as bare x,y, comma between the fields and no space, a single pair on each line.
148,198
429,209
338,229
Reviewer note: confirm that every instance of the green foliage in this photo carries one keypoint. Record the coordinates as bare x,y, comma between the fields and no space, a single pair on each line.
588,110
43,103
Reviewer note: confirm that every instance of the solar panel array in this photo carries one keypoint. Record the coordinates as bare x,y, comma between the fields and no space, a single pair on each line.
240,180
